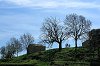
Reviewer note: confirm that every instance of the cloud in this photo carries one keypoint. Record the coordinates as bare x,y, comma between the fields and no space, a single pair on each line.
21,2
81,5
14,25
18,18
52,4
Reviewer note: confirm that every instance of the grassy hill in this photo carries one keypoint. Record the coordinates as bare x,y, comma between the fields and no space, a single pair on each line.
52,58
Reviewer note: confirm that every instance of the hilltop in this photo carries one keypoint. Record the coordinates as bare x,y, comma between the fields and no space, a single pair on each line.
52,57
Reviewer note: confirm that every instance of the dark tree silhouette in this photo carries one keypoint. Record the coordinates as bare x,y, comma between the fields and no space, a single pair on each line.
52,32
3,52
13,47
17,45
10,50
77,25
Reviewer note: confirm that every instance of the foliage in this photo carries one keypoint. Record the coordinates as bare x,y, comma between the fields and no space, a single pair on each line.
3,48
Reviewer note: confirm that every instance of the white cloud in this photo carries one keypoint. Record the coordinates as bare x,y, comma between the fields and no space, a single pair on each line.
53,4
81,5
21,2
35,3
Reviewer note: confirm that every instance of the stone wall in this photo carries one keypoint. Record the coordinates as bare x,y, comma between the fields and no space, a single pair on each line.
32,48
86,44
94,39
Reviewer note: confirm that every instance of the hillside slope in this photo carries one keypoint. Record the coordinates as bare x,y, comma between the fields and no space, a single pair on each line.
53,56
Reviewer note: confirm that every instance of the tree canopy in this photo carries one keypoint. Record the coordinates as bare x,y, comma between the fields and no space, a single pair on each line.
53,31
77,26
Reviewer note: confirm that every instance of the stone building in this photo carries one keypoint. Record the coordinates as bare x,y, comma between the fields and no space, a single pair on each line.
94,39
86,43
32,48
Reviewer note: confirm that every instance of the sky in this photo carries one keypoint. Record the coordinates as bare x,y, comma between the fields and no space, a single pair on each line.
26,16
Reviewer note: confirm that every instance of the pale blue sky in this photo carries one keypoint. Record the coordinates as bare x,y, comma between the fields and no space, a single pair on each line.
22,16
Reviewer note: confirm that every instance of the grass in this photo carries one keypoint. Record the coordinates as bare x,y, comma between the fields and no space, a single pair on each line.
45,58
71,63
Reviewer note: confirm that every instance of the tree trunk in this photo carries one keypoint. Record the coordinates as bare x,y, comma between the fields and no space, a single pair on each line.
76,43
17,53
75,47
60,46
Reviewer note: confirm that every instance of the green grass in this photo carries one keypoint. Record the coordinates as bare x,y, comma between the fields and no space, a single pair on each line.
44,58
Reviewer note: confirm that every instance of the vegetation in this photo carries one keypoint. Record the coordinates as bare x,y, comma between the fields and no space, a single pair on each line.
13,47
26,39
77,26
52,57
53,31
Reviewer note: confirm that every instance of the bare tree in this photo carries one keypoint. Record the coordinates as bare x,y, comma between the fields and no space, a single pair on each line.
26,39
13,47
77,25
10,50
16,45
7,51
52,32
